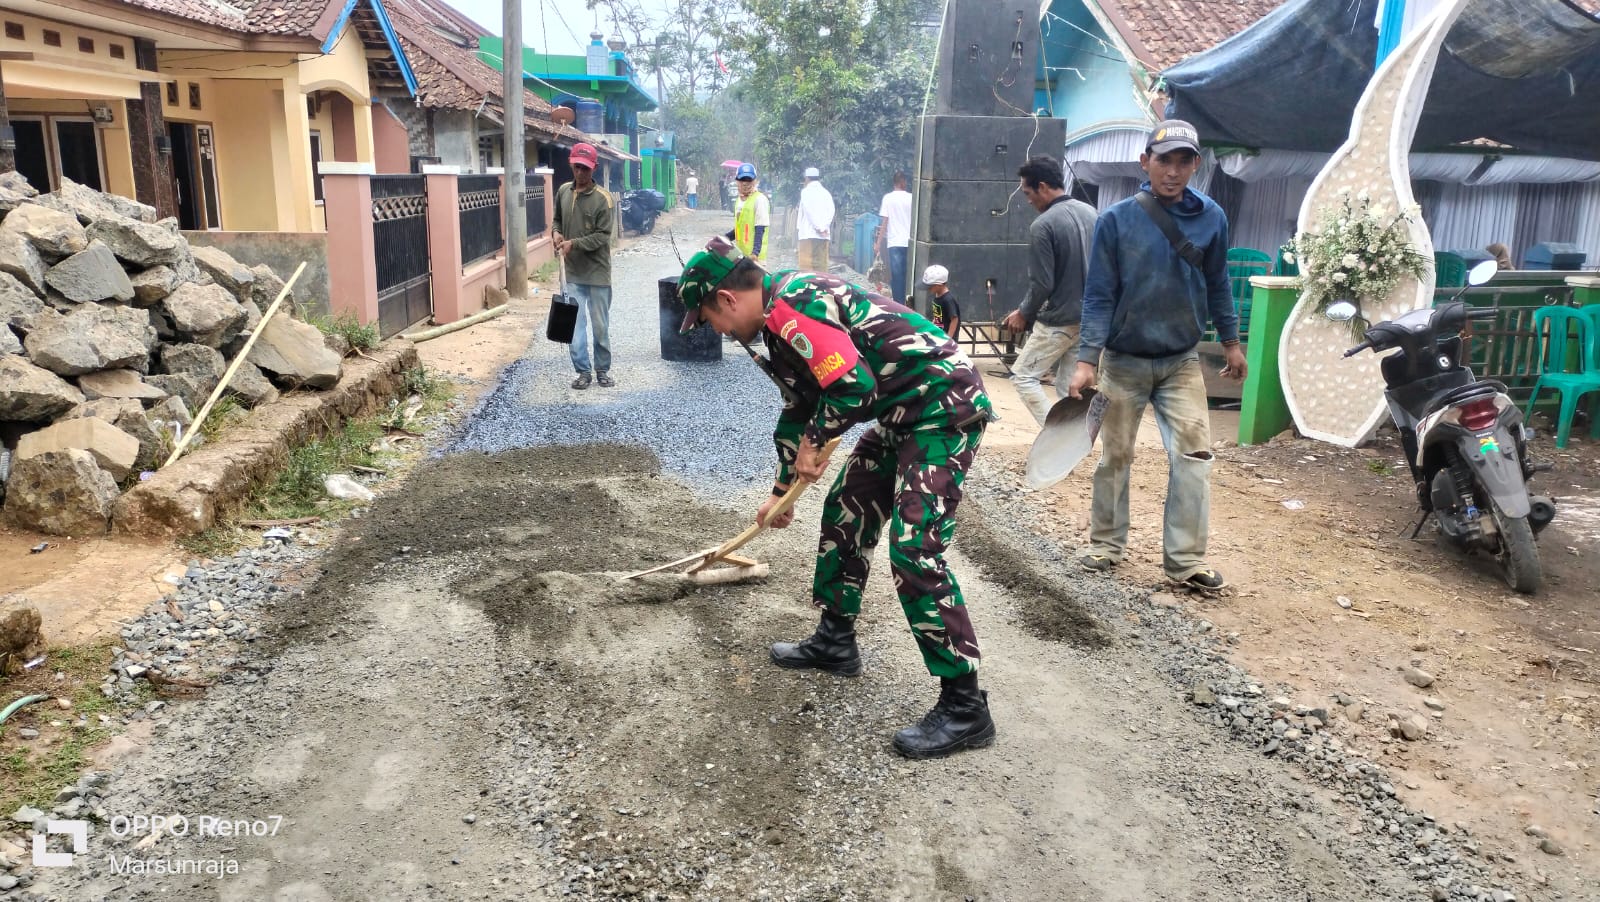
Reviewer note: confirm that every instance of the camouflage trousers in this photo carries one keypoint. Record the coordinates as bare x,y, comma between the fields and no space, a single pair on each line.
910,481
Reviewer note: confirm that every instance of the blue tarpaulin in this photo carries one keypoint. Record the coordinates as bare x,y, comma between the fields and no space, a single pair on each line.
1524,73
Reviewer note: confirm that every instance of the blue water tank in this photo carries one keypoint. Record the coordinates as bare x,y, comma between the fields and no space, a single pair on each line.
1555,255
591,117
1472,258
866,241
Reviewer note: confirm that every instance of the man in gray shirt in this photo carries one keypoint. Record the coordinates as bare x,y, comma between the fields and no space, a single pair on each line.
1059,241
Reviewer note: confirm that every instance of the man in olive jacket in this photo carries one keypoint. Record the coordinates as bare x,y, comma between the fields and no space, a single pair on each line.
583,240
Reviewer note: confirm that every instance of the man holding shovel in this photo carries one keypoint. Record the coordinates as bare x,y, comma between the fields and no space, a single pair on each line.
582,236
844,357
1158,273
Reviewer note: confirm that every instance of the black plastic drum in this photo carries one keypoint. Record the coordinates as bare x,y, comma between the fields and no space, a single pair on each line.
701,344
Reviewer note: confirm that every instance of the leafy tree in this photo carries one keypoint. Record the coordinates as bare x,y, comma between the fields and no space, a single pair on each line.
681,47
711,131
693,33
836,84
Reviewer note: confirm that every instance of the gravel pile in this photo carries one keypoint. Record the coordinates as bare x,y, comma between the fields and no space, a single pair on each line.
198,629
1444,858
676,408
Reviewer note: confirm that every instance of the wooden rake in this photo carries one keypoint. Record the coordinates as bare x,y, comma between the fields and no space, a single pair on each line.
697,566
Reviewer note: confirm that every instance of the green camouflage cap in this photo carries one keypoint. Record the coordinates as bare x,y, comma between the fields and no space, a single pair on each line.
701,276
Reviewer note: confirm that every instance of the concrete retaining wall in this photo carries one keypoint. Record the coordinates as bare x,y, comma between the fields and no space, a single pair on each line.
202,486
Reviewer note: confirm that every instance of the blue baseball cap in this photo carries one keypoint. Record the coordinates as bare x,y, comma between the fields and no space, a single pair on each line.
746,171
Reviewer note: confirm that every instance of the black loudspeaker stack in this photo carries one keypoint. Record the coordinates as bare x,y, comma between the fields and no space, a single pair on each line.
971,216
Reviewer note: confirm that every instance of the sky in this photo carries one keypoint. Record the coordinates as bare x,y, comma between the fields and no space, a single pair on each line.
566,22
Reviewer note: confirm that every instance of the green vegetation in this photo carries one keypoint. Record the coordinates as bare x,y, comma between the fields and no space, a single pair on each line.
361,338
837,84
434,391
1380,468
31,773
218,541
297,490
224,413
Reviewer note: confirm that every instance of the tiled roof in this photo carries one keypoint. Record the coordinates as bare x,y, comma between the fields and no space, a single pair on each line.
292,18
1164,32
286,17
449,76
452,77
439,14
437,87
206,12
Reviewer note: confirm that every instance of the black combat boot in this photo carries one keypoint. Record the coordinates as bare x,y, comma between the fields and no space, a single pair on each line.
960,720
832,648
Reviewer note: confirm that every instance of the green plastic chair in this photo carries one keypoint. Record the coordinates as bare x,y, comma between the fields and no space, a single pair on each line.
1244,262
1566,324
1284,267
1449,270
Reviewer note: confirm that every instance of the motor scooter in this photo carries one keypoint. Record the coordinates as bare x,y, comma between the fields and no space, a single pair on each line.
640,207
1464,439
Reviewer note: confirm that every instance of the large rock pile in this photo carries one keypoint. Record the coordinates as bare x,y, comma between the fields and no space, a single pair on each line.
113,331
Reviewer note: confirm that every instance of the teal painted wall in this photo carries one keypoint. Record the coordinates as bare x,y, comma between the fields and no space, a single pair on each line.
1105,92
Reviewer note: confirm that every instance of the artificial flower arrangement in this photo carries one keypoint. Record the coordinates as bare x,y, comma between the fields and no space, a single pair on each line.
1360,253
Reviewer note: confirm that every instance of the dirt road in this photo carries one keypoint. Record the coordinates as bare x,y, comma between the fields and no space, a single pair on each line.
463,705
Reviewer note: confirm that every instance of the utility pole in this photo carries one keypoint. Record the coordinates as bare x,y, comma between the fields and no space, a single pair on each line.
661,93
8,138
516,178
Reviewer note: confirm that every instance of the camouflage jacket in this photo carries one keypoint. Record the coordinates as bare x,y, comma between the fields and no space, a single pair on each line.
848,356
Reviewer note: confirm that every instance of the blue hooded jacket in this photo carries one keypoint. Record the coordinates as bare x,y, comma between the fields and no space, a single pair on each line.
1143,299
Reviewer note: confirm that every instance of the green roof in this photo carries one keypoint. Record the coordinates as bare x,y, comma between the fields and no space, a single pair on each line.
568,73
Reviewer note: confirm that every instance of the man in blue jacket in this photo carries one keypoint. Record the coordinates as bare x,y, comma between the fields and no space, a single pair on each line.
1158,272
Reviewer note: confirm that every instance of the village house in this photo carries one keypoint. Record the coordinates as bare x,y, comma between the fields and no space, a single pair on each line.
457,115
214,114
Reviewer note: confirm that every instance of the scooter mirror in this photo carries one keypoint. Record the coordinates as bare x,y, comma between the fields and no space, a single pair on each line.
1342,311
1483,272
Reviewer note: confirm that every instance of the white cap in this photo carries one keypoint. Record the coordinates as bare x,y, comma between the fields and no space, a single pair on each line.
813,172
935,275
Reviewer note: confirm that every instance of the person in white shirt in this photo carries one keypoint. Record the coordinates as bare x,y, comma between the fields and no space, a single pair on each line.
816,223
894,234
691,191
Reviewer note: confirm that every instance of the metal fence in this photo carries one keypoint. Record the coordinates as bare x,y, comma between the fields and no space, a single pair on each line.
400,244
535,209
478,210
1506,348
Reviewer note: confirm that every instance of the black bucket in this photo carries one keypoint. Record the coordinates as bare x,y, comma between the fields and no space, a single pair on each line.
563,319
701,344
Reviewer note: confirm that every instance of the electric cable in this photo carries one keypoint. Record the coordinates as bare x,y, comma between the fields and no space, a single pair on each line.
570,33
927,93
1127,55
994,90
1050,99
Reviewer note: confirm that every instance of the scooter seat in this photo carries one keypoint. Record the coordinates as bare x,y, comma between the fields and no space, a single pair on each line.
1469,392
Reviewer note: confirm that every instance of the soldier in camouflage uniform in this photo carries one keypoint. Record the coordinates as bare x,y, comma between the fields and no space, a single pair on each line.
846,356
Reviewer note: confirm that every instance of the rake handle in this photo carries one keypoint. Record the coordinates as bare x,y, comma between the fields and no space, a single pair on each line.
784,504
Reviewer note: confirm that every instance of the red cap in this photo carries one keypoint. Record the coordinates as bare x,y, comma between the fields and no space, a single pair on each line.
585,154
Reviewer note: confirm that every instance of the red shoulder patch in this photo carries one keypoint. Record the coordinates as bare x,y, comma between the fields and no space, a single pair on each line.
826,348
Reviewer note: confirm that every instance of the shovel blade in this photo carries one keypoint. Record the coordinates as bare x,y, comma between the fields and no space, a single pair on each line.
1067,437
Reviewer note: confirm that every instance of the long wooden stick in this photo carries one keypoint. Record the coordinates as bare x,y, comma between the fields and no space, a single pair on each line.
686,559
238,361
778,510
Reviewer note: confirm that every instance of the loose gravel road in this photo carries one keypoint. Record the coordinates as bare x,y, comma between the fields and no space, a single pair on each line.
456,701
